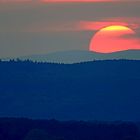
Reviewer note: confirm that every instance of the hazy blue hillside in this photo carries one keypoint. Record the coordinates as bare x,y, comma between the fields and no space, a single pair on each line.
99,90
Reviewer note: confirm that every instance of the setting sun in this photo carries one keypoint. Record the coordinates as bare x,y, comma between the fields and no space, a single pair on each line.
113,39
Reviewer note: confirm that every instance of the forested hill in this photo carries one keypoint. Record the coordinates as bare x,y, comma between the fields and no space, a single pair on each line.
98,90
27,129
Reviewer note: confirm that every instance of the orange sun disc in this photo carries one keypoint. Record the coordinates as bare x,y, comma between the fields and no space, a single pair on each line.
113,39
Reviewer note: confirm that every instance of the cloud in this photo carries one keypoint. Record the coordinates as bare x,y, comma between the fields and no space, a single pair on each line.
69,1
65,1
51,27
15,1
73,26
85,1
96,25
90,25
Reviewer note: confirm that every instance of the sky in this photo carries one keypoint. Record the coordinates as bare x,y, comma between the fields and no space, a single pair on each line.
30,27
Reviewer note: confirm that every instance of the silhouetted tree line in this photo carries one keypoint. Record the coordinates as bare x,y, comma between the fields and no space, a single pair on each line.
26,129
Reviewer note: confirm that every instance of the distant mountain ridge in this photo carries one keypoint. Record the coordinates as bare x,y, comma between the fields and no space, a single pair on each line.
82,56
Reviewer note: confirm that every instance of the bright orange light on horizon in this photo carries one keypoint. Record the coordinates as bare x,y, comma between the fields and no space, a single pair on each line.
116,28
113,39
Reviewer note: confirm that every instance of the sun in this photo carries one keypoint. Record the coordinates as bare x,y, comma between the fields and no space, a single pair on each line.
113,39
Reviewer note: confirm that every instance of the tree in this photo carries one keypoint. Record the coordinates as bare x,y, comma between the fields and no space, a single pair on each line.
37,134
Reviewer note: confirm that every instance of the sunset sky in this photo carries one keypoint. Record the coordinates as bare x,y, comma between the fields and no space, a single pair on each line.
43,26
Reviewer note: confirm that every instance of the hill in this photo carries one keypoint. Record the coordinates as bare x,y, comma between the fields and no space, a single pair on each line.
27,129
98,90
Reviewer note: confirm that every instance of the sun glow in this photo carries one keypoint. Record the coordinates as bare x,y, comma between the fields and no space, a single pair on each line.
116,28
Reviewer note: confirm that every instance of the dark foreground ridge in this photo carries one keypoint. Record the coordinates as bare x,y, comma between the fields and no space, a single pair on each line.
27,129
98,90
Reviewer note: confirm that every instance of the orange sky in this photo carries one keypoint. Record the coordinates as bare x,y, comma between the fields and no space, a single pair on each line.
78,0
35,26
64,1
55,1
